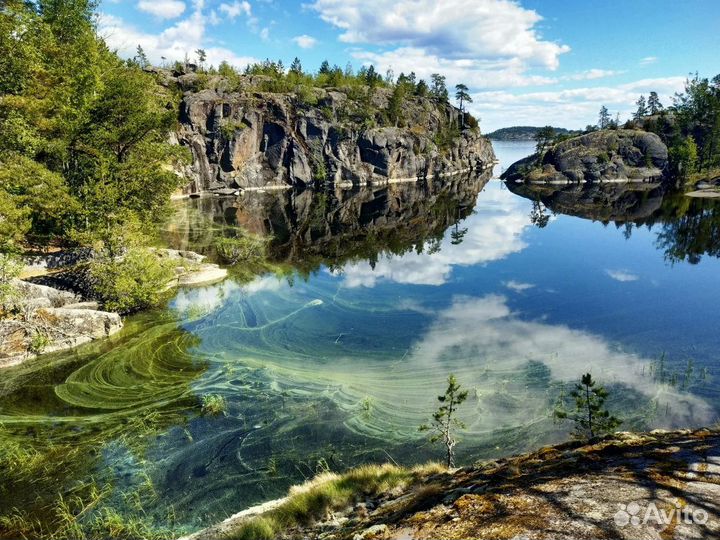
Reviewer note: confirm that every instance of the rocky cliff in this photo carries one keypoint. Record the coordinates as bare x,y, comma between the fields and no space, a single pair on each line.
249,139
621,154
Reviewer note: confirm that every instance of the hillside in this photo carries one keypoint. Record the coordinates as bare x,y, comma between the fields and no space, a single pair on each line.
615,488
523,133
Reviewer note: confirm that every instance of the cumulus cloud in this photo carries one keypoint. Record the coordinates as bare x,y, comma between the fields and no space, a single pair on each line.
173,43
495,231
483,43
487,29
305,42
235,9
162,9
622,275
570,107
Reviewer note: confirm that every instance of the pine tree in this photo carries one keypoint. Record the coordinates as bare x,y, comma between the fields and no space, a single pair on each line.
141,57
462,95
590,417
641,108
201,57
543,138
604,118
438,90
296,67
444,422
653,103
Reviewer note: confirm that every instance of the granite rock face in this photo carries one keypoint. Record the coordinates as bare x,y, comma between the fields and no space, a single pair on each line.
249,139
607,155
51,320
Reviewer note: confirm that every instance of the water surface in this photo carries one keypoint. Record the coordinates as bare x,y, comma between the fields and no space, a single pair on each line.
376,295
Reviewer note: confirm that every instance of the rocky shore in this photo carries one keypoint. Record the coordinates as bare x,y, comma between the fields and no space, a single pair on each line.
66,315
659,485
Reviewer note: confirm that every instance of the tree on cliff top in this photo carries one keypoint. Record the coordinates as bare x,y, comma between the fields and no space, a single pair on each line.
462,95
444,421
604,117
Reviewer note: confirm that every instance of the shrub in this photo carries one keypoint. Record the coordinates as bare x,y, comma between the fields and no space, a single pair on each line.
244,248
9,270
131,282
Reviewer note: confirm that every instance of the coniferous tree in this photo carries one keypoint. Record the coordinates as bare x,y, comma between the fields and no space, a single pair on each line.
589,415
604,117
462,95
641,111
444,421
653,103
438,90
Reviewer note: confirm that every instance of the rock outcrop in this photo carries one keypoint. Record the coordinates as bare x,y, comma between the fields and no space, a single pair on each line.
660,485
607,155
51,320
251,139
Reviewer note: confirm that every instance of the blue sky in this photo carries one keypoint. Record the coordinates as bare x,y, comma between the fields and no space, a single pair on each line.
530,62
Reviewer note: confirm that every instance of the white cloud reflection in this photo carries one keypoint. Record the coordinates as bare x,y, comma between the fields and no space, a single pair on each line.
494,232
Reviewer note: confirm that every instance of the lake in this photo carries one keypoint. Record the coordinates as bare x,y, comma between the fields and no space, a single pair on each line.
332,352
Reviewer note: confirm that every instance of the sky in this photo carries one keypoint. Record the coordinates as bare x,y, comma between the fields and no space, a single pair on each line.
526,62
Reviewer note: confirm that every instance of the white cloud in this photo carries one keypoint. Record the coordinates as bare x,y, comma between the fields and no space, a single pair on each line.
494,232
572,108
594,73
265,33
622,275
517,286
483,43
648,60
305,41
235,9
486,29
173,43
162,9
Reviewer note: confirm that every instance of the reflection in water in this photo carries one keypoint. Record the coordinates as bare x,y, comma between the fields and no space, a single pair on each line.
688,227
401,285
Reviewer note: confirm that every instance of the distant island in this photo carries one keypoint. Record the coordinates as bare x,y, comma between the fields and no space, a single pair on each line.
523,133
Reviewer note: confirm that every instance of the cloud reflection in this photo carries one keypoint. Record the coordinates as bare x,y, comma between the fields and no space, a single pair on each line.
494,232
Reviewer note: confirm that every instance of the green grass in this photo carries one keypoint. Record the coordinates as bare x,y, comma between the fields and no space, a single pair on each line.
327,492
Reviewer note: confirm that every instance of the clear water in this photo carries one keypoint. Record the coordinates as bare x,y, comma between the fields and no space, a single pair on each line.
336,357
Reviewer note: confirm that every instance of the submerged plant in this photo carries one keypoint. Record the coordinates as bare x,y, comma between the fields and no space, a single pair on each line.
213,405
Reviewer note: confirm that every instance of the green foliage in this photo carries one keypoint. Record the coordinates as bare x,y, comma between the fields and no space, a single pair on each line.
132,281
603,118
544,138
242,248
39,342
213,405
444,421
82,133
590,417
684,157
10,269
